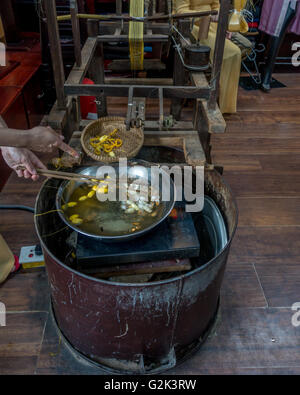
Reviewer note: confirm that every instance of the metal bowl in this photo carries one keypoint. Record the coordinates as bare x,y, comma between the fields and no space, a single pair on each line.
135,169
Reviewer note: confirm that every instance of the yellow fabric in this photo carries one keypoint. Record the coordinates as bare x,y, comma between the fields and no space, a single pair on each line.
231,66
7,260
239,4
2,33
237,22
136,36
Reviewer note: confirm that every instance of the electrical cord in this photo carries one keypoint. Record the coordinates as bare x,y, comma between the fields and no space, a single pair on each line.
16,207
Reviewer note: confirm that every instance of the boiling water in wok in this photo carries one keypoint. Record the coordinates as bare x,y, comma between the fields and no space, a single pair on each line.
114,221
108,218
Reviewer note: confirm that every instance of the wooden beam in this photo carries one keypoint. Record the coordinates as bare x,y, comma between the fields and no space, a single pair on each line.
157,140
213,117
193,151
140,268
96,69
179,78
184,15
64,120
148,38
170,133
122,65
78,73
138,81
56,54
219,52
199,80
127,18
178,126
75,31
108,28
153,126
181,92
118,7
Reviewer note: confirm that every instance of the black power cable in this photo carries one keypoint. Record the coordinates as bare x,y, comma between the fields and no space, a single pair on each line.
16,207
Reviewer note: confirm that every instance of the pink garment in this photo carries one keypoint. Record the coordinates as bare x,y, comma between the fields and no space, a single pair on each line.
273,14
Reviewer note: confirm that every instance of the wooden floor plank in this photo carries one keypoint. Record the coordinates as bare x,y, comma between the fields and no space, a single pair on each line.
241,287
57,358
20,342
238,371
269,211
26,291
270,245
263,184
248,339
261,145
280,282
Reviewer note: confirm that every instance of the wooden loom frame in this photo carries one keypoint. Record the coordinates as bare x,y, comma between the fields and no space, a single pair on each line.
193,137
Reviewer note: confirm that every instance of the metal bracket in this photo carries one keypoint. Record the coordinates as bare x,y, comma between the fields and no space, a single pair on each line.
161,108
135,111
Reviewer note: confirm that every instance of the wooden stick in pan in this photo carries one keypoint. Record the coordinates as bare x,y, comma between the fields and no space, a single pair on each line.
66,175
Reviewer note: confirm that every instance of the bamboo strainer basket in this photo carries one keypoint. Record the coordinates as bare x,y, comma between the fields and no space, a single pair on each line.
132,139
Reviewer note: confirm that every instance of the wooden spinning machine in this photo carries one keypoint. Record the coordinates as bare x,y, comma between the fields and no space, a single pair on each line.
147,23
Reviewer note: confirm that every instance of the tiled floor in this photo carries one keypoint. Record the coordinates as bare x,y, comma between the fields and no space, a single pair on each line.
261,155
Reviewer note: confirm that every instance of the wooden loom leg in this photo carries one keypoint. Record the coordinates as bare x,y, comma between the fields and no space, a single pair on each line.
201,125
56,53
219,51
96,70
118,7
178,79
75,31
179,74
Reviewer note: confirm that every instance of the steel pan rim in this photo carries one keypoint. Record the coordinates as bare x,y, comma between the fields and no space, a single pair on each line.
148,284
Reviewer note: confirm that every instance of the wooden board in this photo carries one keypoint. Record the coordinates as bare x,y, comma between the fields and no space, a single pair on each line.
213,117
141,268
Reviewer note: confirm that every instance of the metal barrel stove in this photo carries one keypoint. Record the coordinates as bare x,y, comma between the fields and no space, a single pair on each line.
134,328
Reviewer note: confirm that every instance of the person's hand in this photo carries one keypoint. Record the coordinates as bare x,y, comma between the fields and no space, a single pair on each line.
45,139
22,157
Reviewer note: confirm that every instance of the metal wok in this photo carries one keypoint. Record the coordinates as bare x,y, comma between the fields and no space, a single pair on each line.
136,169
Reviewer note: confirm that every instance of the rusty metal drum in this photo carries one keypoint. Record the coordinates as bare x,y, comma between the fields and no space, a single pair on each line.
134,328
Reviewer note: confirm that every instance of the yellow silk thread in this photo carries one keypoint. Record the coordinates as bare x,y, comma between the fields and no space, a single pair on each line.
136,36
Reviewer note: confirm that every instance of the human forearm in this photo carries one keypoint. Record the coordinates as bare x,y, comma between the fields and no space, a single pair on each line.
39,138
14,138
215,5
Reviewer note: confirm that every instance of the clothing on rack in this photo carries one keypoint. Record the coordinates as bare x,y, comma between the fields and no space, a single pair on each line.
273,16
280,20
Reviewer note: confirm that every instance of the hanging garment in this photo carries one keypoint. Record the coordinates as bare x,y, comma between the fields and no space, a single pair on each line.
273,16
231,66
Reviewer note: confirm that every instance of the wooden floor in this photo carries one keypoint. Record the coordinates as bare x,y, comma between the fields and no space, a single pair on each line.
261,155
